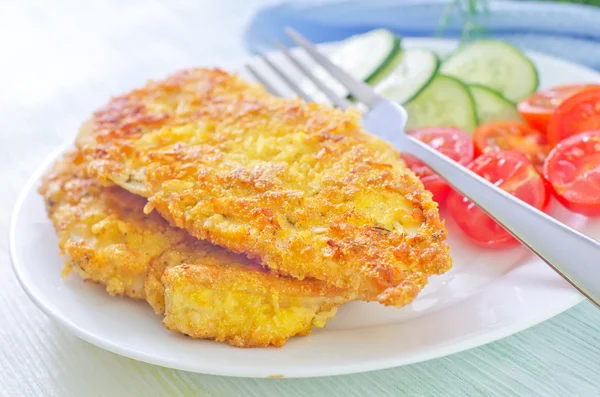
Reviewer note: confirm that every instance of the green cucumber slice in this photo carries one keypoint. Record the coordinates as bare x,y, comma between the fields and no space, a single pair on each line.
415,70
368,57
445,102
492,106
494,64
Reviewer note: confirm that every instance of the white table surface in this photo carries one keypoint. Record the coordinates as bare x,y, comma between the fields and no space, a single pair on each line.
61,59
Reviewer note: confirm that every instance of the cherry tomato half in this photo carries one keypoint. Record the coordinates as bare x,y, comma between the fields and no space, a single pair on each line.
579,113
512,135
573,170
450,141
510,171
538,108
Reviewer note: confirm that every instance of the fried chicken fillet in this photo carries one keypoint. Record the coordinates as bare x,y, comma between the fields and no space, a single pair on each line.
299,187
204,291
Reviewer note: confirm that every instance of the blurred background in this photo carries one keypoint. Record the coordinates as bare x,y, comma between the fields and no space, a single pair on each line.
67,56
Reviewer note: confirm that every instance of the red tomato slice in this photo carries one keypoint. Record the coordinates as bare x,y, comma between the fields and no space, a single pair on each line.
450,141
579,113
538,108
512,135
548,188
510,171
573,170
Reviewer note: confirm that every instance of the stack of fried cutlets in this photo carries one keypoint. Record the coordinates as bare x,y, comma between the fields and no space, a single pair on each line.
240,216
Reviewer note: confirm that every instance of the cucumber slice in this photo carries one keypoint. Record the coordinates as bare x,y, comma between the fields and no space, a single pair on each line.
368,57
492,106
445,102
494,64
414,72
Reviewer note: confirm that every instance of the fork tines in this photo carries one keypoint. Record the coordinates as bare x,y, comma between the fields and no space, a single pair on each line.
358,89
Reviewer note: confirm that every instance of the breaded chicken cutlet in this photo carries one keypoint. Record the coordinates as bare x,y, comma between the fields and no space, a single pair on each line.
204,291
301,188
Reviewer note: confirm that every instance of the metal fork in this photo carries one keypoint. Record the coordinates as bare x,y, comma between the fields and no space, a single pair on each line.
573,255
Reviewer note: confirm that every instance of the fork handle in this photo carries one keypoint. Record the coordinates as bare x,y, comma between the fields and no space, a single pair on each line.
572,254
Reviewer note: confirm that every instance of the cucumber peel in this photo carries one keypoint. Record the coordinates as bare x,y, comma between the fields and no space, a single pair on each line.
492,106
415,70
445,102
494,64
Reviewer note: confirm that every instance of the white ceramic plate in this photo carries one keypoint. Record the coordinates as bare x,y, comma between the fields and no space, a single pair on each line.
486,296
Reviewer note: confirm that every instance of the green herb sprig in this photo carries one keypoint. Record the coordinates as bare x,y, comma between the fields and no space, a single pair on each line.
470,10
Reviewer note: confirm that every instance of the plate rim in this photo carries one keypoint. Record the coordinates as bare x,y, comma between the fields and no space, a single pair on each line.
478,339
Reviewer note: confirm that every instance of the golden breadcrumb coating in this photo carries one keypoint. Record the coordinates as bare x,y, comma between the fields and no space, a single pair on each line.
301,188
236,302
204,291
102,234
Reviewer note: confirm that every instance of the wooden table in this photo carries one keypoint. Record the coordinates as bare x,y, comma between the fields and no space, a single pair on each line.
59,60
